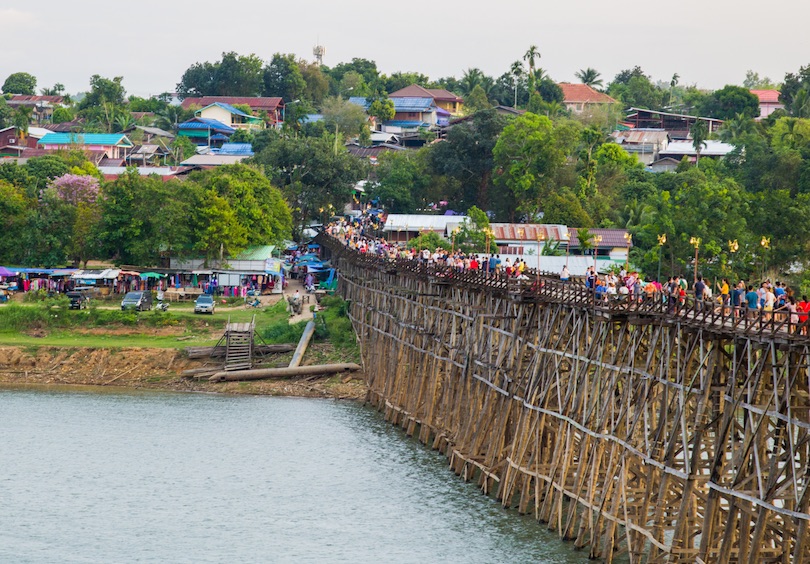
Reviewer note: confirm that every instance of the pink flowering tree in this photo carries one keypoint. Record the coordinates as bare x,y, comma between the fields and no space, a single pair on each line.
76,189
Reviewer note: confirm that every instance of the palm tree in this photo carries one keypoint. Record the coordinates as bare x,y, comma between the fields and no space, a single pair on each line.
22,119
590,77
792,134
517,72
124,121
736,127
672,84
800,107
700,132
530,56
470,79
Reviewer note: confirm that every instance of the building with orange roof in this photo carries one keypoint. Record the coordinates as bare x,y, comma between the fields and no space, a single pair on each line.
768,102
581,98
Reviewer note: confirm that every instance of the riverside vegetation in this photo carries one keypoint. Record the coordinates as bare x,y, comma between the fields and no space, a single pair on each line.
46,342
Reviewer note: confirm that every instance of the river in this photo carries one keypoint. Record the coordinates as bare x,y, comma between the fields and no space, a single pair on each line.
89,475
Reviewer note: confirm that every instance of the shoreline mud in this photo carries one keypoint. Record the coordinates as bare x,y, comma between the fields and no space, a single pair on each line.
153,369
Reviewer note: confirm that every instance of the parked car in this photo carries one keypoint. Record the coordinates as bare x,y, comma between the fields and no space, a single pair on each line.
140,301
78,299
205,304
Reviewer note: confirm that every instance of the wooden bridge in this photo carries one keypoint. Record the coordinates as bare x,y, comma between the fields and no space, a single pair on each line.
634,429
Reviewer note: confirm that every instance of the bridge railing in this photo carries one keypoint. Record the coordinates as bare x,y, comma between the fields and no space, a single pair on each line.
545,287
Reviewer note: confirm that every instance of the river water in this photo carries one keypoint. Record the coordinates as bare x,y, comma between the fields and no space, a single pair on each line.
122,476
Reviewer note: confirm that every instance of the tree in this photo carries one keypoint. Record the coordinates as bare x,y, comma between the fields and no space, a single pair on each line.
476,100
469,80
550,91
312,174
15,210
526,159
466,157
20,83
730,101
6,113
517,73
754,82
198,80
590,77
530,56
737,128
382,109
565,208
104,91
62,114
317,82
238,75
403,181
800,107
700,133
349,119
366,69
283,78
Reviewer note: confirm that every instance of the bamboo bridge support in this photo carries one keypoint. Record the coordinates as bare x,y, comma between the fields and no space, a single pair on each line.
635,434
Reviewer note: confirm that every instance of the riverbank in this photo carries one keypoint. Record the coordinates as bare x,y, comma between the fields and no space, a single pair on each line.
160,369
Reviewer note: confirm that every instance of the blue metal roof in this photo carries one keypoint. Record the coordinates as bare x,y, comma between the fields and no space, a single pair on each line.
360,101
86,139
405,123
236,149
412,104
205,123
400,104
229,108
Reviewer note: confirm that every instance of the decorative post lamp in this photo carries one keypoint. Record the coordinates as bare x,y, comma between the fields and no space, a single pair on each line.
766,245
733,247
596,240
541,236
695,242
662,239
567,237
453,234
629,240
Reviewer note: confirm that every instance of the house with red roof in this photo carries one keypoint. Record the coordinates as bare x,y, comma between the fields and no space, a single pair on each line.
768,102
442,98
273,106
581,98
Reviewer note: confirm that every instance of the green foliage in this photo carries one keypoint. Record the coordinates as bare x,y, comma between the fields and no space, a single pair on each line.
312,174
20,83
349,119
63,114
283,78
104,91
429,240
476,100
382,109
403,181
234,75
730,101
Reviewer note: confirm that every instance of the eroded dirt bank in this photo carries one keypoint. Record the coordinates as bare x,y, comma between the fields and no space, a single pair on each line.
147,368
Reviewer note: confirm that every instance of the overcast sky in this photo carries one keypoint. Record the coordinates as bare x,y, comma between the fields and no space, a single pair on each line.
708,43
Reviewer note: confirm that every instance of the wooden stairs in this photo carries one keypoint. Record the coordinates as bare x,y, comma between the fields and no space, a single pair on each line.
239,341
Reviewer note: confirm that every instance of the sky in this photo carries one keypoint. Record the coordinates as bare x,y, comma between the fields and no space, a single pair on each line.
708,43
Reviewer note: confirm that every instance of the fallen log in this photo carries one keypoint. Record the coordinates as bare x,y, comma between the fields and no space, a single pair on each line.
264,373
219,352
298,355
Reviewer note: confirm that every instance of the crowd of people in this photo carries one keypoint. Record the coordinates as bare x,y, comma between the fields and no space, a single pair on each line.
768,301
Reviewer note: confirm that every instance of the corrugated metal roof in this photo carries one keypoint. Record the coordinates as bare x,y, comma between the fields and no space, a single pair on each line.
206,123
360,101
412,104
236,149
261,252
213,160
528,231
713,148
113,139
642,135
268,103
610,237
228,108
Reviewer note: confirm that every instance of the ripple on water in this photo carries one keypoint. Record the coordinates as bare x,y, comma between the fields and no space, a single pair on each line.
123,476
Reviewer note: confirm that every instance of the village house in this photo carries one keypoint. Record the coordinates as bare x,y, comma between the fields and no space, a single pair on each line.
713,149
42,107
113,145
230,116
677,125
582,99
411,114
272,107
646,144
202,131
442,98
768,102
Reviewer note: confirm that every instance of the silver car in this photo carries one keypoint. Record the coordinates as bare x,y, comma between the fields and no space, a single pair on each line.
204,304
